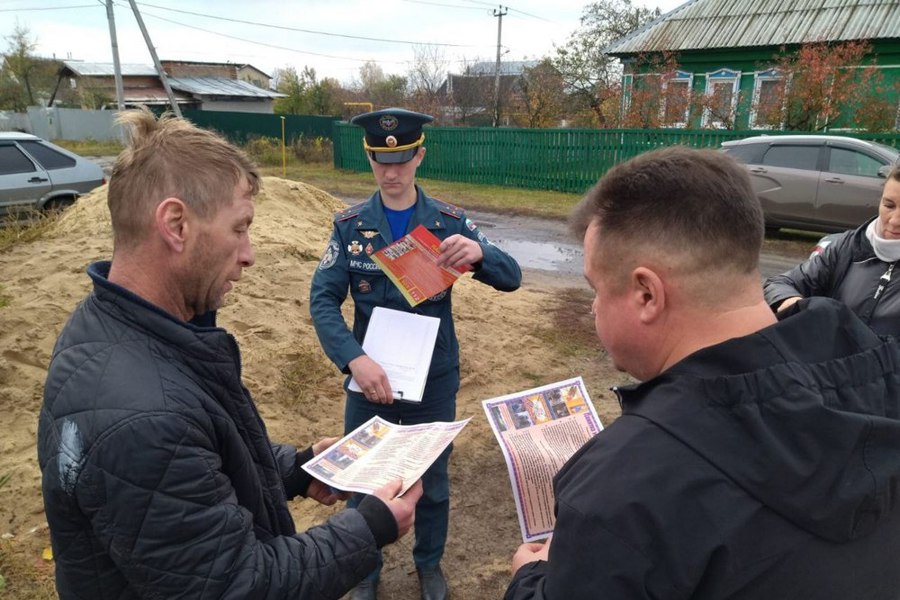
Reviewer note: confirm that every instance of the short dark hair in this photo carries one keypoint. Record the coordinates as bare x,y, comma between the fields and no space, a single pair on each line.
697,204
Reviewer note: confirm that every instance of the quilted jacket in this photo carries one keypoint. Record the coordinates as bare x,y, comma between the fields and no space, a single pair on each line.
159,479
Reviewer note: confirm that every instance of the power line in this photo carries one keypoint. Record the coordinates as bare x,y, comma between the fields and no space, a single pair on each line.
267,45
442,4
310,31
47,8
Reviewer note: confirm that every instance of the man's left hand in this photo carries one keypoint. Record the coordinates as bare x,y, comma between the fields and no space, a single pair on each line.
530,552
323,494
319,491
458,250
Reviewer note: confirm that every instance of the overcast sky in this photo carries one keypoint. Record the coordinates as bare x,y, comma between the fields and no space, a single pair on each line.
335,37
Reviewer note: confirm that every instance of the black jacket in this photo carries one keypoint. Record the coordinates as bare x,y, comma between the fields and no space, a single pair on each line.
159,480
763,467
847,270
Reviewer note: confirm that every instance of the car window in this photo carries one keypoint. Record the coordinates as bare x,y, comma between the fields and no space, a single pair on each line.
746,153
48,157
13,160
793,157
851,162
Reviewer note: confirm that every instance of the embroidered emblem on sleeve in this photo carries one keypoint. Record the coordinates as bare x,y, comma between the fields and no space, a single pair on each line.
330,255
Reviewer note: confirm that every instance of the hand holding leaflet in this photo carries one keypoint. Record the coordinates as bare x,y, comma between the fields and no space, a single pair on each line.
411,263
378,452
538,431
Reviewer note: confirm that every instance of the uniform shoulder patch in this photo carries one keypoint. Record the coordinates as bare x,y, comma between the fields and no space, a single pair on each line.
449,209
348,213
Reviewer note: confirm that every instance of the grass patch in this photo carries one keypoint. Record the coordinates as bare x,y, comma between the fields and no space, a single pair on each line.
28,227
27,576
351,187
308,370
90,147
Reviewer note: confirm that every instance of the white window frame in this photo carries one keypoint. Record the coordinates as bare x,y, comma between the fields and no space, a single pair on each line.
680,76
715,78
627,88
760,78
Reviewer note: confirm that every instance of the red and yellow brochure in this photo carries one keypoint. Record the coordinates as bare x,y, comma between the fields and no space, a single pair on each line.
411,263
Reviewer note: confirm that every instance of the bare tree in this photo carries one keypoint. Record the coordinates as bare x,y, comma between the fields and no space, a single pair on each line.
425,78
380,89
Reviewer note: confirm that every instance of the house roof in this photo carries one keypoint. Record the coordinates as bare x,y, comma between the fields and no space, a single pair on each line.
97,69
510,67
216,64
717,24
220,86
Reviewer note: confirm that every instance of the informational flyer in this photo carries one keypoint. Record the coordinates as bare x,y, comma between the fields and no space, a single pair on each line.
378,452
538,431
411,263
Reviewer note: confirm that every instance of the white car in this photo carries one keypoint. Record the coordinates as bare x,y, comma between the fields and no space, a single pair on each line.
35,174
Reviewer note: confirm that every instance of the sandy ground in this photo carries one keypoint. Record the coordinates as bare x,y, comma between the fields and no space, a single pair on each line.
509,342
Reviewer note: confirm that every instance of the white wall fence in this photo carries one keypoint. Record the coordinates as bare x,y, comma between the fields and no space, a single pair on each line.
63,123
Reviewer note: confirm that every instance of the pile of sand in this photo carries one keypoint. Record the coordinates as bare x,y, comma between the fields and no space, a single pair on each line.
297,389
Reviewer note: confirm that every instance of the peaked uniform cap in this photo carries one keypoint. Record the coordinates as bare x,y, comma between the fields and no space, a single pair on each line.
392,134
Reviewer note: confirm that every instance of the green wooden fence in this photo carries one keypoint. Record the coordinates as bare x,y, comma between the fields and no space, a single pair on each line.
566,160
240,127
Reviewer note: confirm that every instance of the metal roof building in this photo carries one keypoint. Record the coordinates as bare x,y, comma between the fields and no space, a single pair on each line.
717,24
724,54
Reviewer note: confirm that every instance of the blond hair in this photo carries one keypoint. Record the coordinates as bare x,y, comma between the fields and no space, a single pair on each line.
171,157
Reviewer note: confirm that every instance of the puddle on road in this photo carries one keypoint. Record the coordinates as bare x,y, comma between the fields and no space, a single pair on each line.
546,256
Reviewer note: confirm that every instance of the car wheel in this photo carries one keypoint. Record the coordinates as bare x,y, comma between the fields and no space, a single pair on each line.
57,205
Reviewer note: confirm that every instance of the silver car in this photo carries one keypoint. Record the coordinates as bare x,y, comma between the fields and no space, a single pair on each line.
815,182
35,174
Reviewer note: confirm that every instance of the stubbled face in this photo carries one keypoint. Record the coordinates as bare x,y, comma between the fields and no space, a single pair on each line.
221,251
396,181
614,318
889,210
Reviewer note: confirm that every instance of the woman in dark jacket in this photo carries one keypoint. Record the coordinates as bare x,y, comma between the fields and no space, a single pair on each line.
857,269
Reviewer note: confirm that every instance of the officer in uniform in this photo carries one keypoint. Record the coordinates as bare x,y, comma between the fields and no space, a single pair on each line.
394,144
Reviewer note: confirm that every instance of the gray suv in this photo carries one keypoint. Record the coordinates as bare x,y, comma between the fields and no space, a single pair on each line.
815,182
35,174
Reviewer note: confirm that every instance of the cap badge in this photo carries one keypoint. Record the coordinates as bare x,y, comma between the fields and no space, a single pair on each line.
391,141
388,122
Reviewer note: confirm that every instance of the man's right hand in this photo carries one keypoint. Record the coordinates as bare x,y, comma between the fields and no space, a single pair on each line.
372,379
402,507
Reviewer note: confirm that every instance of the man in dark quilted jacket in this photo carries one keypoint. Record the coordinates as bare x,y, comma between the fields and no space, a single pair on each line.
159,479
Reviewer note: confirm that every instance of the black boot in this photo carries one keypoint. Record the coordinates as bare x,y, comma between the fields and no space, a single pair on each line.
433,584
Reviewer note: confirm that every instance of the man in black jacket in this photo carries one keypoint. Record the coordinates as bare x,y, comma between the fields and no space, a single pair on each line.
758,458
159,479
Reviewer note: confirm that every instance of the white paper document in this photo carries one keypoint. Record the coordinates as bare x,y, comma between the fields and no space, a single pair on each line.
539,430
402,343
378,452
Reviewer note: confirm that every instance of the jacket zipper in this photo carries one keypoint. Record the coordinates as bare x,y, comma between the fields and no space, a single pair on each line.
883,282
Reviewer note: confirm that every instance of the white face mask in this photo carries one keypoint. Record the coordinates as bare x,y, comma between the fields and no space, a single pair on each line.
886,250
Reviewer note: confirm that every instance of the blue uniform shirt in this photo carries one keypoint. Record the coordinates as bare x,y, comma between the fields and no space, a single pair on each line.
360,231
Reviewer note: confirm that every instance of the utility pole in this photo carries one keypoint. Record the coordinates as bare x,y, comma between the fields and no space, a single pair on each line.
159,69
499,14
120,88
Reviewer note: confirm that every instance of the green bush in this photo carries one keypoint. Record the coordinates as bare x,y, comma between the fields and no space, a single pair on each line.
313,149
